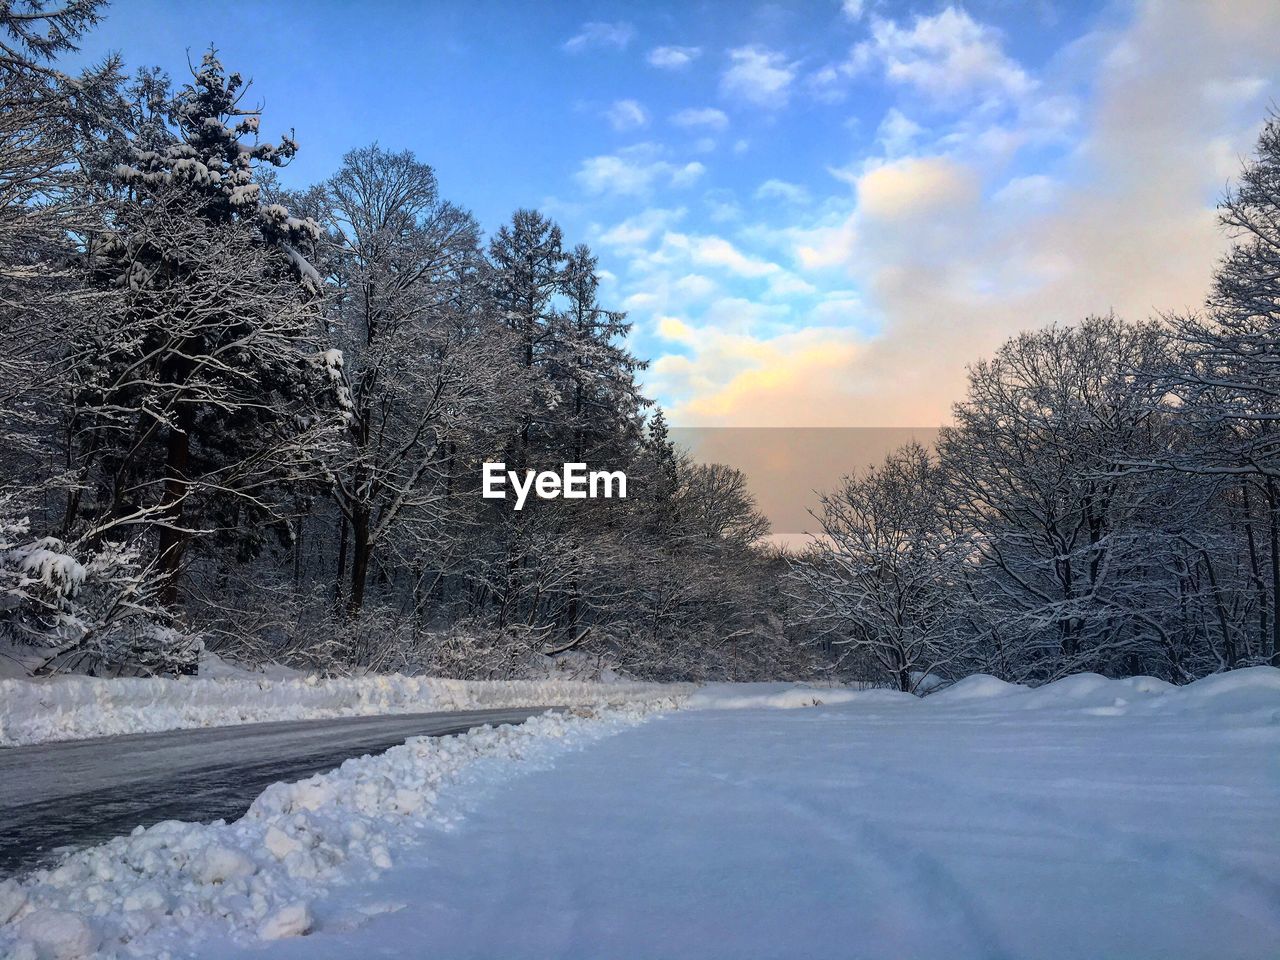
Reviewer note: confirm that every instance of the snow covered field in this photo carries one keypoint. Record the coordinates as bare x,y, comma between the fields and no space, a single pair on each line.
72,707
1089,818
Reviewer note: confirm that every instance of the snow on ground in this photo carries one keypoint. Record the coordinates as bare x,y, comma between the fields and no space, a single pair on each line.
780,696
1087,818
1114,820
73,707
163,889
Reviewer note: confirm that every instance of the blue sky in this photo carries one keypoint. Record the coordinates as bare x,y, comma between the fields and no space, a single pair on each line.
815,213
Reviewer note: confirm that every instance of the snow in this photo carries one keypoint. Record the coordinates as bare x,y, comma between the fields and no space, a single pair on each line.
980,686
292,921
1087,817
165,888
57,934
780,696
73,707
1016,824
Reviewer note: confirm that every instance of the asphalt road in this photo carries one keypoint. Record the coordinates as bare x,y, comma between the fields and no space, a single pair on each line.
80,792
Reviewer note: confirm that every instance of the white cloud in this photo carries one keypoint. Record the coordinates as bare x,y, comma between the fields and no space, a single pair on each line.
853,9
913,187
1033,190
897,132
1122,220
718,252
694,286
782,190
600,36
735,376
673,58
825,246
1234,91
708,118
637,230
949,57
759,76
626,115
721,206
634,171
688,174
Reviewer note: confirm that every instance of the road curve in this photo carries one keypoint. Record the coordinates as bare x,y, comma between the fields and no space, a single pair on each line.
80,792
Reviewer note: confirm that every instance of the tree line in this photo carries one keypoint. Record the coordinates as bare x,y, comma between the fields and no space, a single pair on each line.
253,418
1107,497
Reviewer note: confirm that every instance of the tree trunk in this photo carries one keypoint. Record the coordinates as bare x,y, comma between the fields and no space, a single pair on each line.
173,541
1255,571
1273,508
361,549
340,575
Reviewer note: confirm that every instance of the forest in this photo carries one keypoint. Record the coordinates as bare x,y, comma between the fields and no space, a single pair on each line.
252,420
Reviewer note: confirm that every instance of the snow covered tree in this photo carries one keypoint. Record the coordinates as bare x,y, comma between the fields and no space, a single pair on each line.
882,576
210,385
48,120
429,373
526,260
1069,543
77,606
594,371
1226,382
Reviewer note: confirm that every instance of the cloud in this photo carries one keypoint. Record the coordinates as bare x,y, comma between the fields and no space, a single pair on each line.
949,57
897,132
825,246
853,9
626,115
694,286
1033,190
759,76
715,251
595,35
673,58
708,118
637,230
913,187
782,190
634,171
948,244
741,378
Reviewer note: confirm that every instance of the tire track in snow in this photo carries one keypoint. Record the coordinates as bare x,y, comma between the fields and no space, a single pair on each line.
932,894
1240,889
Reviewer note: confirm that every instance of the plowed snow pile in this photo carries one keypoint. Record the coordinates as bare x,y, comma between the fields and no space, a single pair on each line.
71,708
175,884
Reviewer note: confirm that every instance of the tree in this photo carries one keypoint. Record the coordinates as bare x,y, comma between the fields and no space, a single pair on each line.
210,385
1226,383
526,258
428,371
1068,543
882,576
47,121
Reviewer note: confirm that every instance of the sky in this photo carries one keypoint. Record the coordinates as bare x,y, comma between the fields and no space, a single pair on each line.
815,214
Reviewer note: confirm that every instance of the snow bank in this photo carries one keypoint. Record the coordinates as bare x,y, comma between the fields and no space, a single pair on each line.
782,696
1253,690
980,686
71,708
180,883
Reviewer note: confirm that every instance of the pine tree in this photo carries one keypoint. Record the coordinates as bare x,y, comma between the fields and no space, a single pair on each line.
211,383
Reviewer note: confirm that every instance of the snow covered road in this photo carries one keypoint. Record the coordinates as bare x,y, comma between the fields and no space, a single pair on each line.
1093,818
87,791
